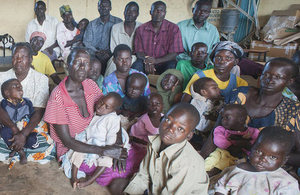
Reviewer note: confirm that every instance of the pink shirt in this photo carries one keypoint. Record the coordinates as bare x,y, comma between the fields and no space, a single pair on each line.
221,136
143,128
62,110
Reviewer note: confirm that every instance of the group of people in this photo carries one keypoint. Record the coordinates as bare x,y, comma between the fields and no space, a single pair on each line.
203,124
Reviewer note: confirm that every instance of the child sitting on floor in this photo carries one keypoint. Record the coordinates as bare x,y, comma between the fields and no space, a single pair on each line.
262,173
20,111
233,139
104,129
134,102
169,86
94,72
171,165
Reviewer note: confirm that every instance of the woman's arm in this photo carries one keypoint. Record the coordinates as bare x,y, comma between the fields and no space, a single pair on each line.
113,151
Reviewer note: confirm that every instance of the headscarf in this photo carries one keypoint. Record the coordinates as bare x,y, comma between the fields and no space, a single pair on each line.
233,47
38,34
63,9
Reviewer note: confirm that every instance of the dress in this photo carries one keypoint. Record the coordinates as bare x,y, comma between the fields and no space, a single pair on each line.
111,84
207,34
42,63
239,181
178,169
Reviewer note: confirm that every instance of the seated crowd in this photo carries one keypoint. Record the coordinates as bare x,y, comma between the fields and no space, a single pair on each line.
201,130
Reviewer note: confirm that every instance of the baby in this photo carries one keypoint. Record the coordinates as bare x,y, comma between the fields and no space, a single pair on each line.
104,129
262,173
20,111
169,86
77,40
94,72
233,136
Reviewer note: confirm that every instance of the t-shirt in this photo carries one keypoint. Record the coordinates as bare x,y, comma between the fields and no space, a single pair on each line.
42,63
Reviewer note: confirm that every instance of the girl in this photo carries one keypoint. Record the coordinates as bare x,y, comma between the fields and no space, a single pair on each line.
262,174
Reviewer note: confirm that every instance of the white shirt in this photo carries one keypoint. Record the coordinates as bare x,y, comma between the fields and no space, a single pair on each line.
48,27
63,35
35,86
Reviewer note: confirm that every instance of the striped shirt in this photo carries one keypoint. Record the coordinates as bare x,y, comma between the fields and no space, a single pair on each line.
166,40
62,110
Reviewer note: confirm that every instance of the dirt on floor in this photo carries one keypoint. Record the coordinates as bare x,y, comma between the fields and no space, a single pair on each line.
37,179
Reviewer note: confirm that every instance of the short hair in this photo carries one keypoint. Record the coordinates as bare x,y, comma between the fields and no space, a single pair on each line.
24,45
5,86
99,2
157,3
278,135
202,2
155,95
200,84
132,3
287,62
74,52
190,109
117,99
136,76
199,44
84,20
242,112
121,47
39,3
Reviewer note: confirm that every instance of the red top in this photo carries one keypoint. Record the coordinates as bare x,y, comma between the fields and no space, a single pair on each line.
62,110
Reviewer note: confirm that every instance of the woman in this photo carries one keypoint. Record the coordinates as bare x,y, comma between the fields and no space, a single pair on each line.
35,88
225,56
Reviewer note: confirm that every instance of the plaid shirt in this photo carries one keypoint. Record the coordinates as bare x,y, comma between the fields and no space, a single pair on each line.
166,40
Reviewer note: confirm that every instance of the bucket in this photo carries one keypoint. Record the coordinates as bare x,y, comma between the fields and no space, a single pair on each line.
229,20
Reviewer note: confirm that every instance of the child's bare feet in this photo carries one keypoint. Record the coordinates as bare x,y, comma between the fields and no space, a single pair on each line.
12,153
85,182
23,159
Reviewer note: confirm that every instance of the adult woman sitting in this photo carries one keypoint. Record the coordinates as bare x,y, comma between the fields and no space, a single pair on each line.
225,56
35,88
266,106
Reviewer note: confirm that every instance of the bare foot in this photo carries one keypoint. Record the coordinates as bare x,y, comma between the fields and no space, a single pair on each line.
85,182
23,159
74,182
12,153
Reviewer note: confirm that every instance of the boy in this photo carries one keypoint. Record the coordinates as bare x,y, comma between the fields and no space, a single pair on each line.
198,62
94,72
19,110
171,165
40,61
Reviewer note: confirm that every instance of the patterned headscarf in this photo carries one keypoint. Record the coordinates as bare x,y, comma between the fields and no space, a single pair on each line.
65,8
233,47
38,34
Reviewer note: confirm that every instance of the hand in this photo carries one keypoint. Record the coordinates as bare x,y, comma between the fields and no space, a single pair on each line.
150,60
173,88
69,43
120,164
103,54
19,141
115,151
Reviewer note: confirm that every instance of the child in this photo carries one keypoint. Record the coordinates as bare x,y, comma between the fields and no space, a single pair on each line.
20,111
77,40
233,136
94,72
169,86
171,165
102,130
134,102
261,174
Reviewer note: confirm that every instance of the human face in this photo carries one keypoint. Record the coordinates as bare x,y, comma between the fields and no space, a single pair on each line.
201,13
168,82
82,25
212,91
21,61
67,17
155,105
15,91
81,64
95,70
37,43
230,120
105,105
40,10
275,78
104,8
158,13
224,61
135,88
175,127
198,55
267,156
131,13
123,61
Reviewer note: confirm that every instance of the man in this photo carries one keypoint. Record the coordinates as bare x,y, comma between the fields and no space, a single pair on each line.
123,33
157,42
97,33
47,25
197,29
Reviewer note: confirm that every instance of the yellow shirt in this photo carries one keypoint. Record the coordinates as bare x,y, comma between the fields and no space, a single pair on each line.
42,64
211,74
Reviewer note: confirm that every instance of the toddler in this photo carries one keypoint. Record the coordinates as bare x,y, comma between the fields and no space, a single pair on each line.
20,111
94,72
104,129
169,86
233,136
77,40
262,173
